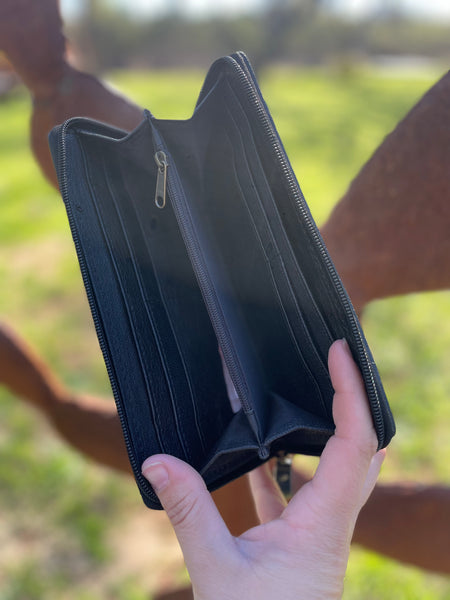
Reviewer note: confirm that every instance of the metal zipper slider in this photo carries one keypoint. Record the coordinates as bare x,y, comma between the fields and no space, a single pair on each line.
161,179
282,473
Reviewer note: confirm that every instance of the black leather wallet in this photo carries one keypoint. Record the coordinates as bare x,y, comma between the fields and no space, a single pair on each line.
196,246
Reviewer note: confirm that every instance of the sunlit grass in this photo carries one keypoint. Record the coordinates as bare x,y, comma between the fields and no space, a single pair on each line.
330,124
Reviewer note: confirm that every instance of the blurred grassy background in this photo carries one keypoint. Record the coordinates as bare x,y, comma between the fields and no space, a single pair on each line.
65,526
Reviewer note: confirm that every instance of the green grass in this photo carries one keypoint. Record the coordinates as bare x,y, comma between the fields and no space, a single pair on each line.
60,511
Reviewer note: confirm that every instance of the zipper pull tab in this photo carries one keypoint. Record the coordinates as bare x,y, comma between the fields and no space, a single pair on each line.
282,473
161,179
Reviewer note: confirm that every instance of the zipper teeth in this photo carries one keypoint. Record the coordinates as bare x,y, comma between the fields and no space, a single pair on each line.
87,284
306,217
209,293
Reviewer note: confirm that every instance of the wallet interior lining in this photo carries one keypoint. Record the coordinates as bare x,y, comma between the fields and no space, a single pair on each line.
212,195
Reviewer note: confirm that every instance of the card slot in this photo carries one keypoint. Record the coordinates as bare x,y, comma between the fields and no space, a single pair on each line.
147,308
296,220
282,287
164,328
156,378
113,321
295,325
273,215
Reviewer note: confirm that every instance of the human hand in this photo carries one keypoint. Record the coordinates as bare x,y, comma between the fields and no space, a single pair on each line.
300,550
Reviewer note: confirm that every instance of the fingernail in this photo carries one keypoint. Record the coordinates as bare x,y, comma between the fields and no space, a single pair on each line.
346,346
157,475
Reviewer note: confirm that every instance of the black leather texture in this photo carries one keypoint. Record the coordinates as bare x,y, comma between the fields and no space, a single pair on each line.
230,267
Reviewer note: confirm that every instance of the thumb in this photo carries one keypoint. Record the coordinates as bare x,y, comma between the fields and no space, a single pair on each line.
198,525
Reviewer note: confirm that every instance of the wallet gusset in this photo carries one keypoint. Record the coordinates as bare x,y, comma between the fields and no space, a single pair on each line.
196,246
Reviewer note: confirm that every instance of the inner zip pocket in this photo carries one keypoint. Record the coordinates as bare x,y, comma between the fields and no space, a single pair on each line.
180,206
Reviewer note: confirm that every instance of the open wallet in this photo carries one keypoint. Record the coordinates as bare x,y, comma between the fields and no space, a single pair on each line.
213,296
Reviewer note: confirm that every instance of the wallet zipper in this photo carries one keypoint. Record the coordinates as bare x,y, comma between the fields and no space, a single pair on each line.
61,172
169,185
269,128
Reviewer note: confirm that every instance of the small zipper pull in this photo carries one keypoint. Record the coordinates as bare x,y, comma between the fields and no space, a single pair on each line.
161,179
283,473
